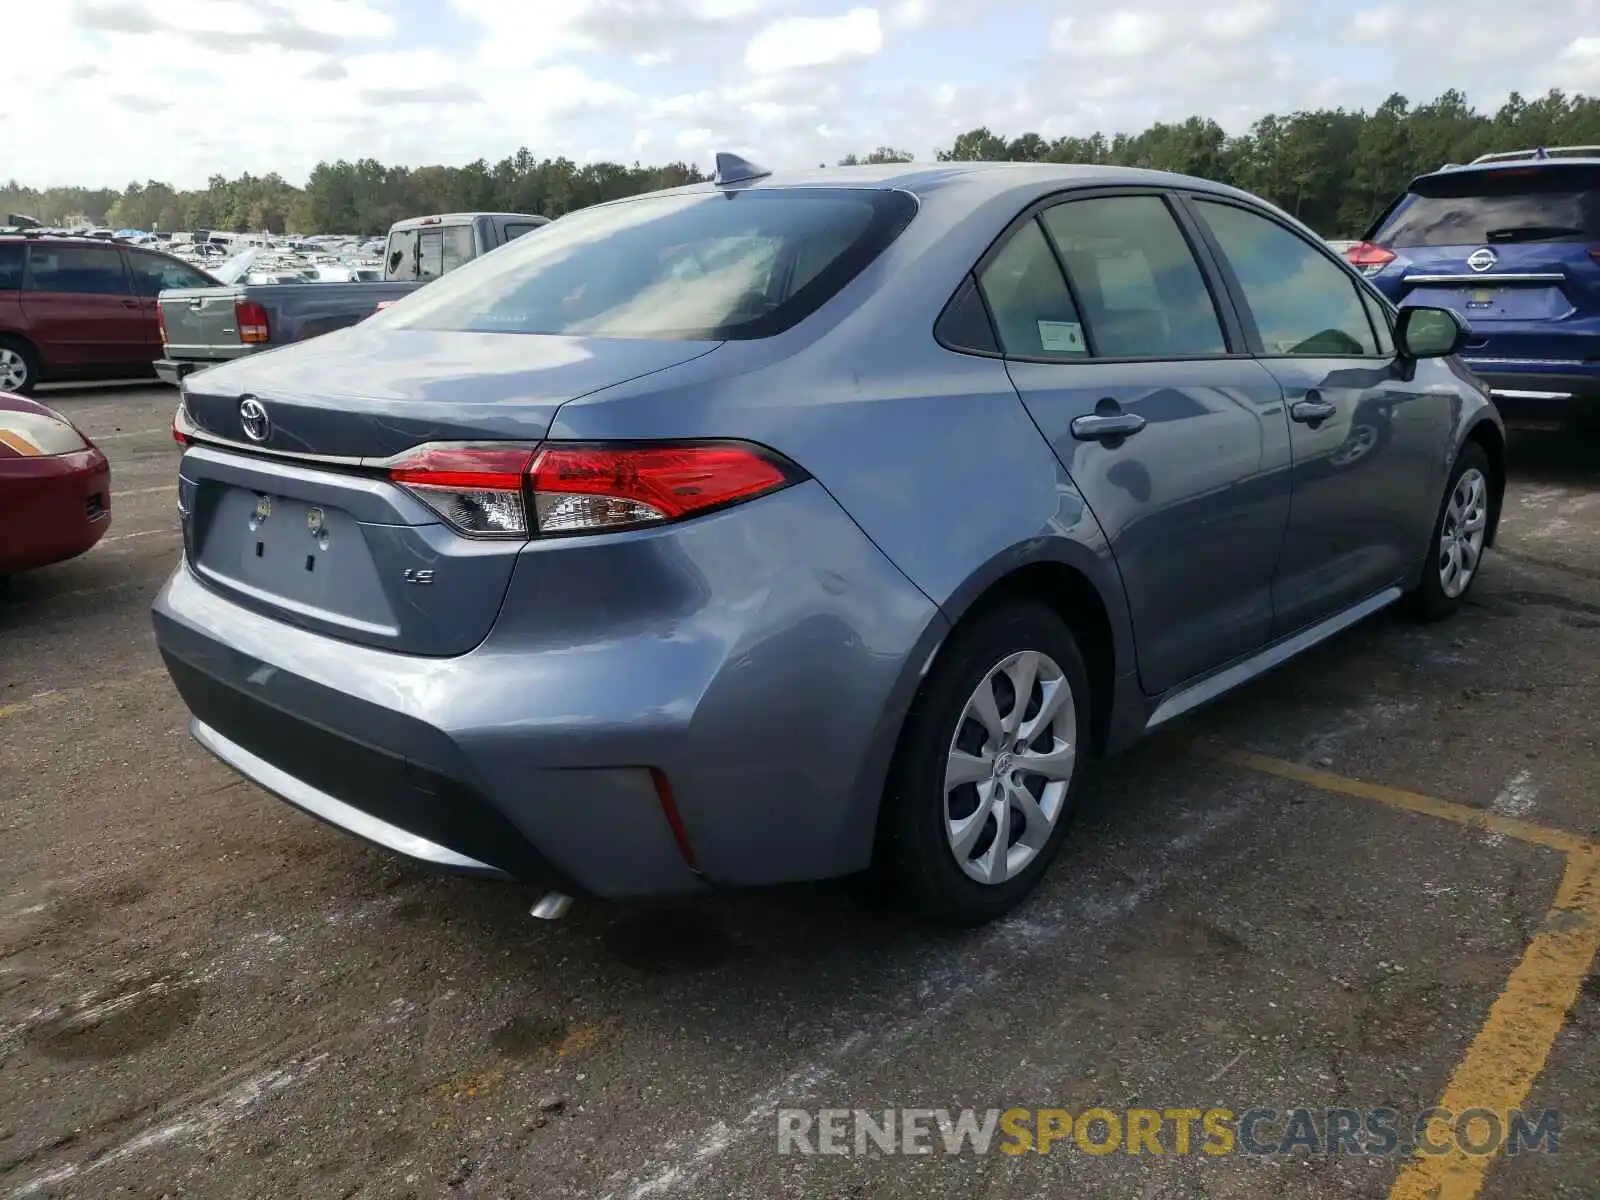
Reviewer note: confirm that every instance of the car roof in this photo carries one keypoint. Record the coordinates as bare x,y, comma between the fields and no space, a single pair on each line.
1520,166
411,222
975,181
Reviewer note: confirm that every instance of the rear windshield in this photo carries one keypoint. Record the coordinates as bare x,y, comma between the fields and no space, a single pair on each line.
701,265
1480,208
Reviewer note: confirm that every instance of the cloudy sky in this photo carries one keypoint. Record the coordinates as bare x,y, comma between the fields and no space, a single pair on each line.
113,90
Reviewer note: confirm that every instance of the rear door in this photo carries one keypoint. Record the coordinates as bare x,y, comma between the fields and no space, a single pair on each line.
1510,249
1368,437
1194,496
457,247
81,309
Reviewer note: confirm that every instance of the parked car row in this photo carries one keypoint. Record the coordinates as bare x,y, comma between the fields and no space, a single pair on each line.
83,308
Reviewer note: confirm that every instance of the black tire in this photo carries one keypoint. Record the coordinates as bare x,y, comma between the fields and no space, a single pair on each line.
1429,601
28,360
915,857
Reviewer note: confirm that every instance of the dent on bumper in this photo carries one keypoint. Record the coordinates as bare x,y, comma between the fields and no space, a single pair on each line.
766,685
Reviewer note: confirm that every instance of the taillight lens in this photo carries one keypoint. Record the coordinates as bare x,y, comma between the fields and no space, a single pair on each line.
1368,258
592,488
1594,253
381,305
252,321
574,488
476,489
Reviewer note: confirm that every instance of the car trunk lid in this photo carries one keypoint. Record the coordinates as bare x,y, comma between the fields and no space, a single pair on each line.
303,522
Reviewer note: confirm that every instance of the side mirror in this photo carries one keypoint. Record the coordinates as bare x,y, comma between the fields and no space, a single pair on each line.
1430,332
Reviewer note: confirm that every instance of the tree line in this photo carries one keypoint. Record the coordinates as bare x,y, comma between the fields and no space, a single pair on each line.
1335,169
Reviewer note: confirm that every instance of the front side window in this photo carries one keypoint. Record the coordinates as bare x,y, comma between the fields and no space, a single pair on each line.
458,246
1380,321
1304,304
713,265
1135,277
153,274
84,270
1033,312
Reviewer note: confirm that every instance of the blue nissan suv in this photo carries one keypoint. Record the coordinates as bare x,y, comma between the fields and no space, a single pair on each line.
1510,241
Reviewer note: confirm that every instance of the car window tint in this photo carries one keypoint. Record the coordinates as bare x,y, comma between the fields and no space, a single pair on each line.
964,324
739,264
1380,321
401,260
430,254
152,274
1033,312
1137,280
458,247
1304,304
80,269
11,258
515,229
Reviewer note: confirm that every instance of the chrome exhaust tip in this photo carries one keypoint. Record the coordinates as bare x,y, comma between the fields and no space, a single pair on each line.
551,906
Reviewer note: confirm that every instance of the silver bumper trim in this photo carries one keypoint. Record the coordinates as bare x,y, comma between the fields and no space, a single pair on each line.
326,808
1520,394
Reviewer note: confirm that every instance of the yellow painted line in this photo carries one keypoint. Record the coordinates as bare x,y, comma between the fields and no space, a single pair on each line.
1461,814
67,695
1512,1047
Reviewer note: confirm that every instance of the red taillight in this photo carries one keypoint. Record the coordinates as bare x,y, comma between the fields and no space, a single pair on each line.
381,305
584,487
252,322
591,488
1594,253
477,489
1368,258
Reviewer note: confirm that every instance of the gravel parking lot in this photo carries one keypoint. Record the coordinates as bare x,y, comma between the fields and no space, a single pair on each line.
1368,880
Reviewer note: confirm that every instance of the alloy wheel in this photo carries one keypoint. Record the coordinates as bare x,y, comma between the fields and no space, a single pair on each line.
1010,764
1466,519
13,370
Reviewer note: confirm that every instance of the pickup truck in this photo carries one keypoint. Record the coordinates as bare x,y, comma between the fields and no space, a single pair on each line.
201,327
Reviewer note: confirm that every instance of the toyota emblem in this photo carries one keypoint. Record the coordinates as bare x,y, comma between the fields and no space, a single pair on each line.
1482,260
253,418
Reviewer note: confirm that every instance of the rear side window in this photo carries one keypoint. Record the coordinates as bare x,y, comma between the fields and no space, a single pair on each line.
1033,312
80,269
1304,304
12,255
1493,207
716,265
1135,277
458,248
430,253
400,261
515,229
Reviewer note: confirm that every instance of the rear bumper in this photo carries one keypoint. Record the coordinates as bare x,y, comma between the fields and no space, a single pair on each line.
1535,392
52,508
766,689
172,370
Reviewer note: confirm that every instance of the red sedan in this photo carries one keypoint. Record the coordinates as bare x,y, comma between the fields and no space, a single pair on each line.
55,487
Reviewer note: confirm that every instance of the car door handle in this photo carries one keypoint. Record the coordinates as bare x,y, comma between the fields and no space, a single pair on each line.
130,304
1310,412
1107,426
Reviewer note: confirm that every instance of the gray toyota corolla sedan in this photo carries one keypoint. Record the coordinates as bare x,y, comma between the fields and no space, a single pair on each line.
784,526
